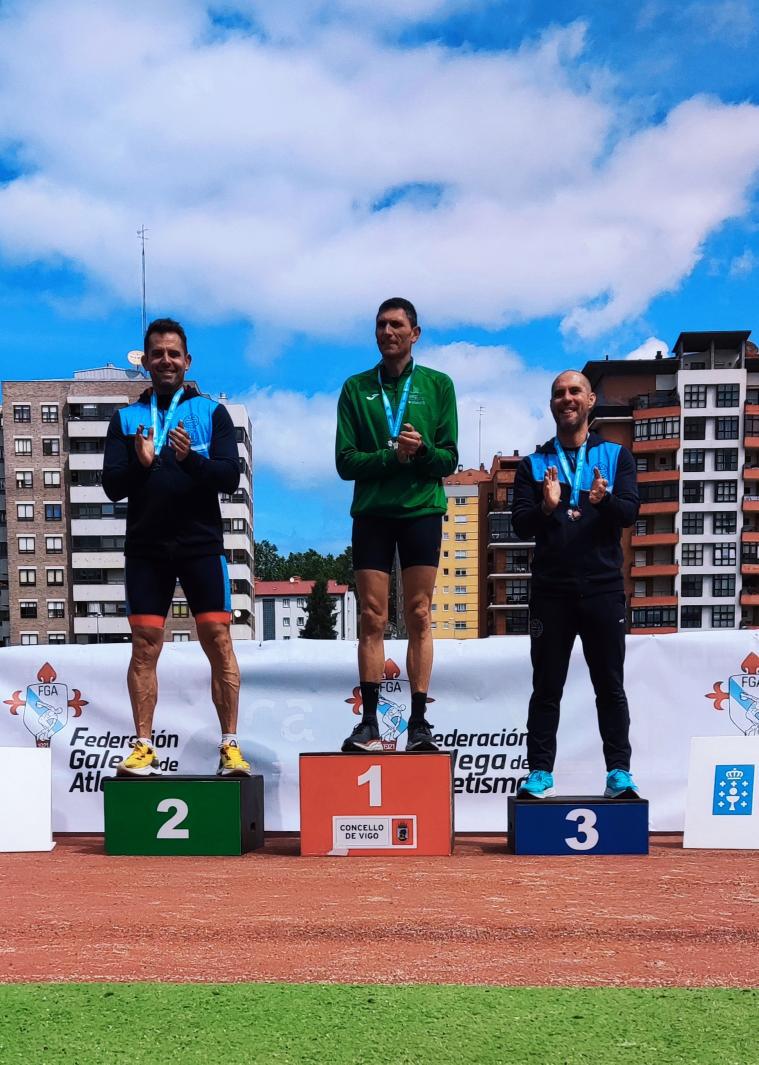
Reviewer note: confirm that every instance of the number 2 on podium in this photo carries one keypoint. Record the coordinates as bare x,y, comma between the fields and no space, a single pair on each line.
372,777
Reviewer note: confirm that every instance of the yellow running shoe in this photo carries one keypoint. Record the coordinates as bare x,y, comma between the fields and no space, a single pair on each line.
231,762
142,762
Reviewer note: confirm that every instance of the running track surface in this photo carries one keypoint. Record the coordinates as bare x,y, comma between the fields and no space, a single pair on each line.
673,918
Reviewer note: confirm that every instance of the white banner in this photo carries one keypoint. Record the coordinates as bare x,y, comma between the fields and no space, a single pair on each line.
298,696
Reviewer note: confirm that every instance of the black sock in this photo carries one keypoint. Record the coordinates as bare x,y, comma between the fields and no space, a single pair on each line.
418,704
369,700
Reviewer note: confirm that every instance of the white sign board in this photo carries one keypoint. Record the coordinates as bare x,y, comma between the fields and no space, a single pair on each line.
26,799
721,808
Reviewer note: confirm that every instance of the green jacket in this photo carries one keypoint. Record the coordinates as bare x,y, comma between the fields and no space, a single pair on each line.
385,486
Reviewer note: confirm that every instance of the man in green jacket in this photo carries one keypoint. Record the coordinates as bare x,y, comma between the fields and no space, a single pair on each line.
396,439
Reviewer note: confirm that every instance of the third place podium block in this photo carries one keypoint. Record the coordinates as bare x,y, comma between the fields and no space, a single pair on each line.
578,824
385,804
183,815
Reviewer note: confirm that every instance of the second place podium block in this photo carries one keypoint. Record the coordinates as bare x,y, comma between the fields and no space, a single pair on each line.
386,804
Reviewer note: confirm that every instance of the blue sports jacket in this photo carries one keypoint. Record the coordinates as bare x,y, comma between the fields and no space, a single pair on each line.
582,557
173,507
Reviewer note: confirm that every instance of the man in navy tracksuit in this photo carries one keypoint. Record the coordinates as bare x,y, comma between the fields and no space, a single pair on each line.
574,495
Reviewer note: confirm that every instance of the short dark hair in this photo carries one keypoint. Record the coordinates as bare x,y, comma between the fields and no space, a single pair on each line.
398,303
164,325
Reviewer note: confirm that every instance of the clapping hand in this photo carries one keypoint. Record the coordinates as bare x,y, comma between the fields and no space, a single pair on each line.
551,490
180,440
598,488
144,446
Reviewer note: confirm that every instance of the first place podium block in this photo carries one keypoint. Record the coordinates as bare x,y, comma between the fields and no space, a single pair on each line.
578,824
376,804
183,815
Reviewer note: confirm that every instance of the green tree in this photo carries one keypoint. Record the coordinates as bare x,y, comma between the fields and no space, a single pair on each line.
320,624
268,564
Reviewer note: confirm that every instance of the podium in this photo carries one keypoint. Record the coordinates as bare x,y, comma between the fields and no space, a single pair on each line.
577,824
722,802
376,804
26,800
183,815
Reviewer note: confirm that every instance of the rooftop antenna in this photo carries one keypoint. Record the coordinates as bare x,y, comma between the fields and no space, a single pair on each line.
142,237
480,412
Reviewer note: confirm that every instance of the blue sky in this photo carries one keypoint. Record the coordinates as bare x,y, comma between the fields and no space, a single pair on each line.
548,183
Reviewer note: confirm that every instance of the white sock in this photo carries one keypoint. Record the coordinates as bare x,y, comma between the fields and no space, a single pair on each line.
147,742
229,737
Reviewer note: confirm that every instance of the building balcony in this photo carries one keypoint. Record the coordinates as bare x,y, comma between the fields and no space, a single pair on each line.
508,606
665,506
92,626
750,536
665,400
656,539
660,631
658,476
97,560
98,527
653,600
749,598
86,428
665,569
85,462
750,569
519,571
90,494
751,441
98,593
751,504
646,447
751,408
751,473
512,541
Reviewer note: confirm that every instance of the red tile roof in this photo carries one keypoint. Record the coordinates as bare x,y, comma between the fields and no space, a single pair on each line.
296,586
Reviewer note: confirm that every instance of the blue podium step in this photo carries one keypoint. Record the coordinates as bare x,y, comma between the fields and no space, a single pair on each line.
577,824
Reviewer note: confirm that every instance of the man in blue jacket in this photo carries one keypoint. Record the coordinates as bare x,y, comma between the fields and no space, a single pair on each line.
170,454
574,495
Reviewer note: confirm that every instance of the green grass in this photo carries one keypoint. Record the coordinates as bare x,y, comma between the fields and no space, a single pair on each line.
280,1024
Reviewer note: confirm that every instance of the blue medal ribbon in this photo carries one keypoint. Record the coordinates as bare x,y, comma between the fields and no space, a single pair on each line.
574,480
160,440
394,423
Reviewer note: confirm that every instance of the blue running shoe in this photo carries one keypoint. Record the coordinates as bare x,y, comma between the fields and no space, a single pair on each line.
620,785
539,785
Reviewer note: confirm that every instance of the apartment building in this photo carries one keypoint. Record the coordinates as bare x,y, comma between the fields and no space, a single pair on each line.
64,538
691,420
456,600
280,608
506,588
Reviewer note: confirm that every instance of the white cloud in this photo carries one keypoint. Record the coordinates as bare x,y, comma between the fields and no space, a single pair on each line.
256,166
649,349
743,265
294,434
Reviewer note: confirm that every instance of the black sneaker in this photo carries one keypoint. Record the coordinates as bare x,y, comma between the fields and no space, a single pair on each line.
365,737
419,736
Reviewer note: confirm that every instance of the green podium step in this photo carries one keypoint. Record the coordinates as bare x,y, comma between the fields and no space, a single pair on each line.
183,815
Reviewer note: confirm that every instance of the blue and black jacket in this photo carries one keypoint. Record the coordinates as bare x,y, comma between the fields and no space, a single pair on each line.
173,507
582,557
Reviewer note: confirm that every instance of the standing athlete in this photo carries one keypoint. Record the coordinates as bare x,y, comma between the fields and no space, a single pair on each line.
170,454
575,495
396,439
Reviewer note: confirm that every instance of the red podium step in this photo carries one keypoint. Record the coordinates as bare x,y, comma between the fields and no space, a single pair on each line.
364,804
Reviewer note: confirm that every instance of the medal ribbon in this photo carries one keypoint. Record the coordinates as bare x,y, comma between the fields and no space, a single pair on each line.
573,480
394,423
160,439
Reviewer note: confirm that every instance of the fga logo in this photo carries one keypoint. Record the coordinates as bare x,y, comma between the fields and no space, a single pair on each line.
47,705
394,705
733,790
741,697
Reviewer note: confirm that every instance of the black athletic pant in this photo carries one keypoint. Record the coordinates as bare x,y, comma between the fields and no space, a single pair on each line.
599,621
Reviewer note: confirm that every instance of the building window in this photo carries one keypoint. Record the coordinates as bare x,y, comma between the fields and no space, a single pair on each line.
29,639
724,554
300,622
53,512
723,587
22,445
693,491
693,554
51,446
691,587
286,622
690,617
693,459
641,463
460,625
654,618
460,501
461,536
723,617
751,425
728,395
22,412
55,608
460,608
695,396
25,511
460,554
724,522
181,637
725,491
694,428
460,572
657,429
51,478
301,603
56,637
445,536
459,589
517,592
24,479
27,608
461,519
641,527
726,428
54,545
726,459
286,602
49,412
693,524
55,576
180,610
26,545
27,577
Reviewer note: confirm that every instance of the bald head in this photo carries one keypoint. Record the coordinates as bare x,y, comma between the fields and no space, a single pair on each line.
572,400
576,378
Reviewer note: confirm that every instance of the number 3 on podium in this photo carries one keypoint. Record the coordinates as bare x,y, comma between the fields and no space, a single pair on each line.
372,777
588,835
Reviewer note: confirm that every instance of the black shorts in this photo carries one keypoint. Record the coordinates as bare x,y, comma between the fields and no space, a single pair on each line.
151,583
417,539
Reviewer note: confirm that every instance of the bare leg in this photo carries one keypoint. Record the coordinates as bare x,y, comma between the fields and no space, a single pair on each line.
216,640
142,680
373,591
418,587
